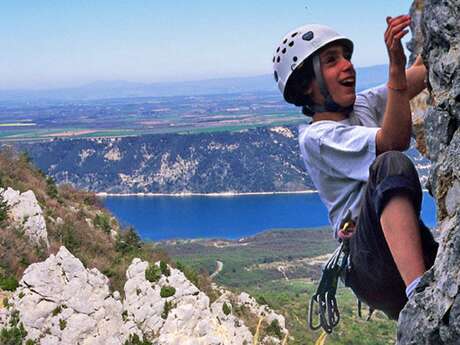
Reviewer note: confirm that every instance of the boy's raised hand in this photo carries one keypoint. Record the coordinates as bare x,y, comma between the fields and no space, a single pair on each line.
396,29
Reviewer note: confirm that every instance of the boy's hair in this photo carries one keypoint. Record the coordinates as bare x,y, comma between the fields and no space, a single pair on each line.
298,83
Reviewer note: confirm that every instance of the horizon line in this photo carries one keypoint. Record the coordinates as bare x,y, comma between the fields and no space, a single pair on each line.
146,83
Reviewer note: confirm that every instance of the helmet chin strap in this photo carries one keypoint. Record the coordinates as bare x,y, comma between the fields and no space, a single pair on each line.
329,104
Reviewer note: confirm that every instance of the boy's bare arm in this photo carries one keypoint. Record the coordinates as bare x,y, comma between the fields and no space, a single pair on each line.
416,78
397,123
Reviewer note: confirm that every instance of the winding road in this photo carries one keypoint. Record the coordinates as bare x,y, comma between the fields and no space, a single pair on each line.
219,266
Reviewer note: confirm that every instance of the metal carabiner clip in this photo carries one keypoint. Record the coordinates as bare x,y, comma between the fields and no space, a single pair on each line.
312,310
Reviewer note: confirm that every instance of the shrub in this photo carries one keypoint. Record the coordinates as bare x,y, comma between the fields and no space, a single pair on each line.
226,308
57,310
135,340
102,221
189,273
15,334
128,241
25,157
3,209
166,309
8,283
167,291
261,300
51,188
69,237
165,269
62,324
153,273
274,329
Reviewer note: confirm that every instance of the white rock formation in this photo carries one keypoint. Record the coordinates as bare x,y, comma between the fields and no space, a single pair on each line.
61,302
191,321
27,214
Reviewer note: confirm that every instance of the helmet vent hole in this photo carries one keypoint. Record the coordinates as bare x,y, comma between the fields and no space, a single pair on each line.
291,44
284,51
294,58
274,59
285,40
276,76
278,59
278,49
308,36
294,34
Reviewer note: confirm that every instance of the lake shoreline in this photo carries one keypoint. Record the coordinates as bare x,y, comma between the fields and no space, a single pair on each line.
219,194
187,194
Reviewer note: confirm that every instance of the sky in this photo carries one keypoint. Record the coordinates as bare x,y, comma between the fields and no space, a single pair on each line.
63,43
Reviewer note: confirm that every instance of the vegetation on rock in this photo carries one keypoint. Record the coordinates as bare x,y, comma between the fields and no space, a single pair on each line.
167,291
3,209
166,309
226,309
153,273
135,340
14,333
8,283
165,269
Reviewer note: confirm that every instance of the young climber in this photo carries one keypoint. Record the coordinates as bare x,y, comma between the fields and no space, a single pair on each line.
352,151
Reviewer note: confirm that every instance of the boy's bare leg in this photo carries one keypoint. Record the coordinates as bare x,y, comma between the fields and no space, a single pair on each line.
402,233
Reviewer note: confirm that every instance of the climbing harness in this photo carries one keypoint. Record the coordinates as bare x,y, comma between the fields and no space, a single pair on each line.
323,304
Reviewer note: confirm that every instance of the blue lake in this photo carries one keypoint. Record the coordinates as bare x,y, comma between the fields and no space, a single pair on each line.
231,217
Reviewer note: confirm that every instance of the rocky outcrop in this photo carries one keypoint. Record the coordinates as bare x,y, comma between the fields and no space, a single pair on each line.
61,302
26,214
433,315
190,319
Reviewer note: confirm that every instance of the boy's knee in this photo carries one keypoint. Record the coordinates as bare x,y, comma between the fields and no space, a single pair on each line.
393,173
393,163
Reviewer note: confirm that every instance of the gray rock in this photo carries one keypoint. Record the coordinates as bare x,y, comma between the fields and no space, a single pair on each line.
432,316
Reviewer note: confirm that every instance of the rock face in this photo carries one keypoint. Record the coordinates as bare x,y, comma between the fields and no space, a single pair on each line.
191,320
26,214
61,302
433,315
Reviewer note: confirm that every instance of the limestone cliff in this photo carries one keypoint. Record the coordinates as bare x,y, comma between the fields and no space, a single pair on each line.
433,315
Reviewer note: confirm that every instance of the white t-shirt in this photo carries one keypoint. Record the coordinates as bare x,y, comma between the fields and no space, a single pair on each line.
337,155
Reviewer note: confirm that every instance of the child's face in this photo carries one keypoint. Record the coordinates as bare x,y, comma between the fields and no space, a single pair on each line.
338,74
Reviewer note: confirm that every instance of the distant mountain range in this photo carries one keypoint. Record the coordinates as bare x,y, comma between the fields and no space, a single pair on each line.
366,77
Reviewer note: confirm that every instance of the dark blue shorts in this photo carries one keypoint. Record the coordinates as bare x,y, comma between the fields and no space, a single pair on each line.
373,275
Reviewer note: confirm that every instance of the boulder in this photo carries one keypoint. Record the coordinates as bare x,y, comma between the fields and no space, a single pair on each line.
26,214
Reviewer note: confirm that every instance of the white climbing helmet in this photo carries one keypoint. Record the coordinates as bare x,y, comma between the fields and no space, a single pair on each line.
297,46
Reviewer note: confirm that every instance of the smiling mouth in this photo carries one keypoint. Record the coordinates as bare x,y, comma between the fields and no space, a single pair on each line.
348,82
